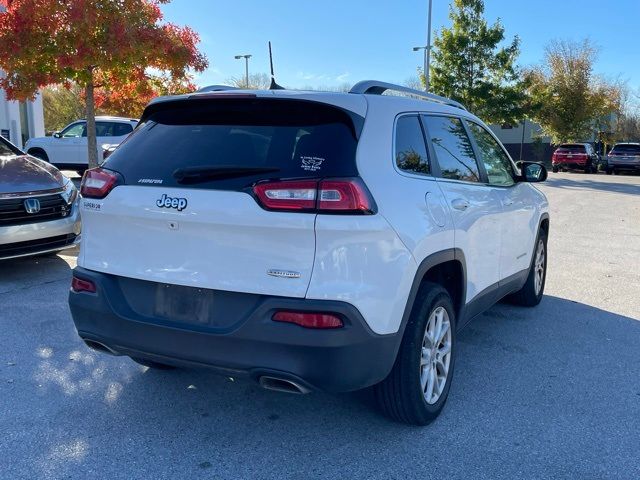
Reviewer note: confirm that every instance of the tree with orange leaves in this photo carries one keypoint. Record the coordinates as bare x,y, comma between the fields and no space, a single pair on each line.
102,45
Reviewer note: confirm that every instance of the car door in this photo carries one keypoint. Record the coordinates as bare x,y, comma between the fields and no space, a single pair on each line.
419,212
474,206
518,227
67,147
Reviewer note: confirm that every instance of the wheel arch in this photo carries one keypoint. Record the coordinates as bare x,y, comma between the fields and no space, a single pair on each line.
543,224
37,149
446,268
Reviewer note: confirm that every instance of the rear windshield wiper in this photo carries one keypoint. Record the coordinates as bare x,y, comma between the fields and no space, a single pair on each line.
206,173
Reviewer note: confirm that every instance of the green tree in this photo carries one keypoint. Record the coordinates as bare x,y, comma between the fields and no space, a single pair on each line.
567,99
62,106
472,65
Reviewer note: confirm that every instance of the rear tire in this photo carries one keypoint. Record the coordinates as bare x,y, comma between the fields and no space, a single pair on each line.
152,364
554,169
531,293
417,387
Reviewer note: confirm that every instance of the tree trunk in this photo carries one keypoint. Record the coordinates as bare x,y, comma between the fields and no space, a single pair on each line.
92,141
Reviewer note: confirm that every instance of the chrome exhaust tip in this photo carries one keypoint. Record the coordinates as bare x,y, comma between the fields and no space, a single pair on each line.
100,347
282,385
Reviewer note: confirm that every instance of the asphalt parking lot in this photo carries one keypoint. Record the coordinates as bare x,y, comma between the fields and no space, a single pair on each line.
550,392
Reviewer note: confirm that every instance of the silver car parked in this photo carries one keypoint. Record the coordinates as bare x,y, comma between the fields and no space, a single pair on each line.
38,206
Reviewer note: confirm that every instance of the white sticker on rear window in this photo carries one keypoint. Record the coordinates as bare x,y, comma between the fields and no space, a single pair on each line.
311,164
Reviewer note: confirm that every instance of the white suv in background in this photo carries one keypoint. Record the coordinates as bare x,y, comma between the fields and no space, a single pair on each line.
308,240
67,149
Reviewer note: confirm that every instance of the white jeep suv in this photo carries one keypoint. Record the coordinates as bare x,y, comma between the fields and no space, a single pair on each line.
67,149
307,240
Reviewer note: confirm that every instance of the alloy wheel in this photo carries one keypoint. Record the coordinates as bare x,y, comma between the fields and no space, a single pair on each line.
435,358
539,267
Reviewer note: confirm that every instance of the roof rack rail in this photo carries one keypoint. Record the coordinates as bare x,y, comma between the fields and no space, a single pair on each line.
216,88
374,87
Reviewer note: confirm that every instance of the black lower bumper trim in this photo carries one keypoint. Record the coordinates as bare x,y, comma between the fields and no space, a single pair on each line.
245,341
9,250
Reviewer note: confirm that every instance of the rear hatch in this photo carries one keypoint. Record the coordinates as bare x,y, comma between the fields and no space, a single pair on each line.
184,210
570,154
625,154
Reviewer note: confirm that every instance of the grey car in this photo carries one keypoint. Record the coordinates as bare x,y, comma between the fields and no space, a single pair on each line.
38,206
624,157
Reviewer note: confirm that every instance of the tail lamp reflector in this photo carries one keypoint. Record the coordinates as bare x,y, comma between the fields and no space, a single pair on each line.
309,319
81,285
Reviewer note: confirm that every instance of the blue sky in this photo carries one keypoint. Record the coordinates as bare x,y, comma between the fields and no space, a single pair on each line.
332,42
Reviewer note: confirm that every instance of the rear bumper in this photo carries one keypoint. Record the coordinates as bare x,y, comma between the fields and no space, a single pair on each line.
571,164
240,339
623,166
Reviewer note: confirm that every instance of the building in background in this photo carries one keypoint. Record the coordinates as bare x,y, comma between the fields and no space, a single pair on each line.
20,121
528,145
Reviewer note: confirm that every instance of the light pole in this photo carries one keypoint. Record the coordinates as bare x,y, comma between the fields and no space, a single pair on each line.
427,50
246,67
424,66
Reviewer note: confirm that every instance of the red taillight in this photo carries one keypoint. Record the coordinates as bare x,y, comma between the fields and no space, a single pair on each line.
288,195
97,183
80,285
340,195
309,319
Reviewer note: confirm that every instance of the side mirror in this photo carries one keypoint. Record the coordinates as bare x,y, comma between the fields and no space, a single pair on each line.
532,172
57,135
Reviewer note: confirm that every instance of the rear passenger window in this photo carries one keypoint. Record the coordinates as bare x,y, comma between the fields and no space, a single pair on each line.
411,151
120,129
453,148
104,129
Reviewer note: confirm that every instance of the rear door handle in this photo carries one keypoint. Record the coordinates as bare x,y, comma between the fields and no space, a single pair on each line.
507,202
460,204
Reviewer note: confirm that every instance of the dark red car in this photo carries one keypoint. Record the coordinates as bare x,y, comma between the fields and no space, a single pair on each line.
575,156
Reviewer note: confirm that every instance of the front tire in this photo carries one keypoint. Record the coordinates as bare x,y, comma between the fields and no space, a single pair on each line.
531,293
554,169
418,386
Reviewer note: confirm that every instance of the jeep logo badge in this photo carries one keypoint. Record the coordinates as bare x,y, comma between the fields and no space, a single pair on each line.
169,202
32,205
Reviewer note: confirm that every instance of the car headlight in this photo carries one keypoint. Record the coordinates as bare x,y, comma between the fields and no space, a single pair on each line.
70,192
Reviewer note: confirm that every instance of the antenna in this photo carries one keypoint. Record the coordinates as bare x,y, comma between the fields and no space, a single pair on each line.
274,85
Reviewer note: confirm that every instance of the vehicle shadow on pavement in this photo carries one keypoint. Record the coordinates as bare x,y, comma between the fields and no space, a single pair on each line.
588,184
26,272
529,383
